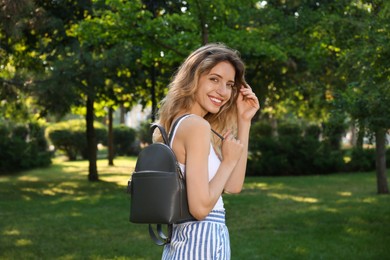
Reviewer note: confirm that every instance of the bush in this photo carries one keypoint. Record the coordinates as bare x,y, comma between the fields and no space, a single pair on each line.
265,157
327,160
23,147
313,131
124,141
262,147
291,152
361,160
70,137
333,131
289,130
144,135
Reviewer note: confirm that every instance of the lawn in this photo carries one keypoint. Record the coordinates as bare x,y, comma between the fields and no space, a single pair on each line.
55,213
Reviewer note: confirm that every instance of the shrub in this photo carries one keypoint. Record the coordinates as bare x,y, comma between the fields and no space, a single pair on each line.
261,129
70,137
144,135
313,131
265,157
289,130
23,147
327,160
261,147
361,160
333,131
124,139
291,152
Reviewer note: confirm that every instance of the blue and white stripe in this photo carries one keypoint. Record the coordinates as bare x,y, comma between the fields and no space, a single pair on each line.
207,239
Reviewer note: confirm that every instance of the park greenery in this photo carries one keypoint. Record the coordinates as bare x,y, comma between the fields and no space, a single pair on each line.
320,69
54,213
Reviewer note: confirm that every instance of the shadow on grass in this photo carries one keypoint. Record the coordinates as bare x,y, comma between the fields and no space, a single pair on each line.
315,217
55,213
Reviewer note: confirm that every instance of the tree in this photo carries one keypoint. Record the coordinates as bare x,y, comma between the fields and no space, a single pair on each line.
367,75
18,59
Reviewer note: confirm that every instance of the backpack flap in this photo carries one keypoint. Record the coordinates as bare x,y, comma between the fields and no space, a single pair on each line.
156,157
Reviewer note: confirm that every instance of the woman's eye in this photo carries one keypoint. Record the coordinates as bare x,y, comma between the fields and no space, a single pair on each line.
214,79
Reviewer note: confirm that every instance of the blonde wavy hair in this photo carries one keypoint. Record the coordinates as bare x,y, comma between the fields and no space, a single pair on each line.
183,87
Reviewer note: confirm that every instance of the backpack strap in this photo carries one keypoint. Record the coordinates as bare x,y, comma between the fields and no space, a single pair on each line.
161,239
162,131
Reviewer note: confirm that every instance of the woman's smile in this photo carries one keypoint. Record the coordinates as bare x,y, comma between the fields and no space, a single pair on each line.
216,101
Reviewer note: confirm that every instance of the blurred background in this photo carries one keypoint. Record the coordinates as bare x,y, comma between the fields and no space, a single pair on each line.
83,79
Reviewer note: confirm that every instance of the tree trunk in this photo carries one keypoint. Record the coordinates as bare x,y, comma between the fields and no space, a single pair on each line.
353,139
380,143
360,136
205,34
204,27
122,112
91,141
110,137
274,125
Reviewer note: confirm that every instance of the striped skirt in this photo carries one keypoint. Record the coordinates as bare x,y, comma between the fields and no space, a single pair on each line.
207,239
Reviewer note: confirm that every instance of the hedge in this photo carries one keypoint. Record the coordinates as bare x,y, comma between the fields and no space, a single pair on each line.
293,151
23,147
70,137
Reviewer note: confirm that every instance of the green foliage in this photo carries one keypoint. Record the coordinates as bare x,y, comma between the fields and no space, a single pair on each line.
364,159
334,130
297,151
23,147
361,160
289,130
364,65
261,129
328,160
307,60
291,152
124,141
112,49
70,137
144,134
313,131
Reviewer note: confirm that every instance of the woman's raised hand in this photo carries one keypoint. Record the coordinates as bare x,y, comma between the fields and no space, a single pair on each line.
247,103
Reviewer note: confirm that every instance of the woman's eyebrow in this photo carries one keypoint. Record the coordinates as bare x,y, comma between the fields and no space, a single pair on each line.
219,76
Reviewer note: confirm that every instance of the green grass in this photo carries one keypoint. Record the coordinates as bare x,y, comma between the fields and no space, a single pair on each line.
55,213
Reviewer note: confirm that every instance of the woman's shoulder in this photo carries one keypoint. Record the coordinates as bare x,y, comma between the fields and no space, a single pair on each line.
195,120
194,124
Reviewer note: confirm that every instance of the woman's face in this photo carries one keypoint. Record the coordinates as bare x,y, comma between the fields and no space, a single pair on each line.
214,89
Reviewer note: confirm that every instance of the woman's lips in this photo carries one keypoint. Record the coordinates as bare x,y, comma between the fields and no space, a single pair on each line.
216,101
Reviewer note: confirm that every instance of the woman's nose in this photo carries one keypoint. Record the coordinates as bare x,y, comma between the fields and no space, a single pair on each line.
222,89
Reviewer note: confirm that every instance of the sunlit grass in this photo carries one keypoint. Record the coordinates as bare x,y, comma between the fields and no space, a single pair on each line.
293,198
56,213
314,217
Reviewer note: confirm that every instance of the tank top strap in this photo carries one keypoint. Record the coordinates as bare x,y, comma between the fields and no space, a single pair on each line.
177,127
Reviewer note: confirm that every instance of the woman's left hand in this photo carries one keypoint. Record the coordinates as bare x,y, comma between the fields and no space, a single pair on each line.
247,103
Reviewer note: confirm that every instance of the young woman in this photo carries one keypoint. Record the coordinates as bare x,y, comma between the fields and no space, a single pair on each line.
210,88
